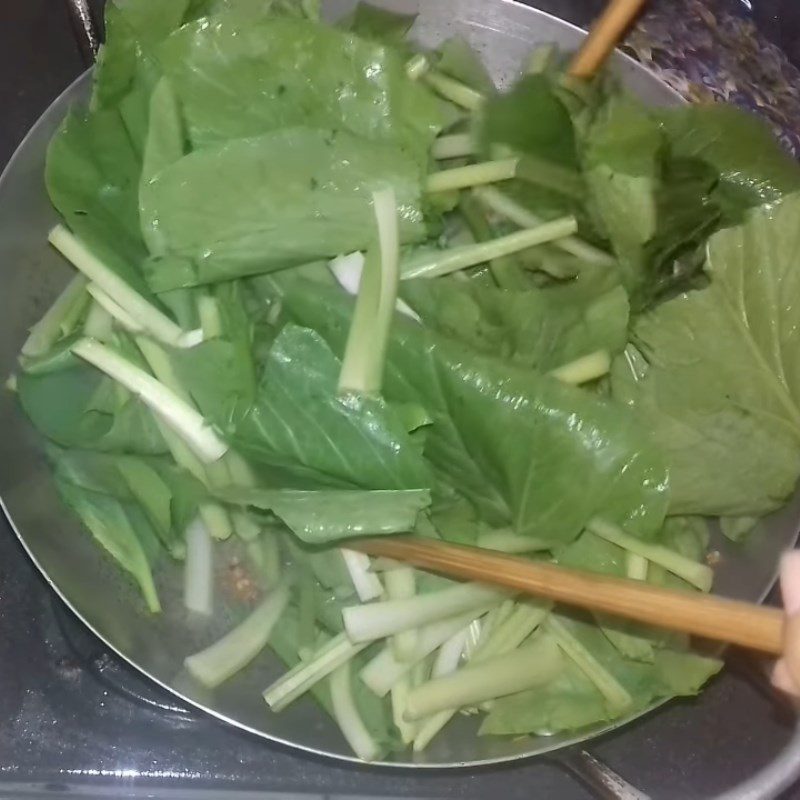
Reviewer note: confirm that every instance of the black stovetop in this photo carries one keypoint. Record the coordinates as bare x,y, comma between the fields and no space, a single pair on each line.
76,721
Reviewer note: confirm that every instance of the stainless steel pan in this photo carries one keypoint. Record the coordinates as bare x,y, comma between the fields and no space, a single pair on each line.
503,32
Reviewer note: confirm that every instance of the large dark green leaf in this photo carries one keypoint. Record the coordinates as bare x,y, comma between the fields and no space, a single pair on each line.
80,407
752,165
238,76
378,24
298,420
118,529
531,120
542,328
572,701
92,176
220,373
255,205
655,209
325,516
722,389
522,447
167,496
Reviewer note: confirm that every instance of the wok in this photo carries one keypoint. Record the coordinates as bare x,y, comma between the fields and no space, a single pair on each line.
503,32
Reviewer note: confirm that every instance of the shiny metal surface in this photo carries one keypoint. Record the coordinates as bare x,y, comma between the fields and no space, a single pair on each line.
503,33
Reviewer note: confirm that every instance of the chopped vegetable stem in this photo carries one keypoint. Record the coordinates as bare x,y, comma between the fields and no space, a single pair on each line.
417,66
503,205
146,314
300,679
532,665
180,416
448,180
453,90
384,670
454,145
401,585
365,351
378,620
51,327
506,541
584,369
240,646
366,583
347,716
615,693
198,592
432,265
699,575
98,324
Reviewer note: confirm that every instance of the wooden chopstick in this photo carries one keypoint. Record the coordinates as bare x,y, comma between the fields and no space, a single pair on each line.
703,615
603,37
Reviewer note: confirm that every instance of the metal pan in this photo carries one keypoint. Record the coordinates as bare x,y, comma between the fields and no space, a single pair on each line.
503,33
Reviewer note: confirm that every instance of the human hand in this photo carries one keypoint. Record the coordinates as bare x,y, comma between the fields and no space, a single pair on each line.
786,674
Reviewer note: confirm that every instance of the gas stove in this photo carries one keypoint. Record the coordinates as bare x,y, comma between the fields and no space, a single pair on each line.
77,721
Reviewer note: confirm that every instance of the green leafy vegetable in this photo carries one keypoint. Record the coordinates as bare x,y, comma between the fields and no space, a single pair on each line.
522,447
542,328
315,203
298,419
125,534
752,165
721,377
320,517
241,77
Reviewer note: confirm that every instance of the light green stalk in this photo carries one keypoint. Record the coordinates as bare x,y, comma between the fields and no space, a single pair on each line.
699,575
614,692
298,680
365,351
454,145
240,646
432,265
158,324
533,665
172,409
503,205
584,369
448,180
55,322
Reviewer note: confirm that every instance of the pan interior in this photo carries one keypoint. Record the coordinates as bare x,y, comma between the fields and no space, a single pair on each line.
503,33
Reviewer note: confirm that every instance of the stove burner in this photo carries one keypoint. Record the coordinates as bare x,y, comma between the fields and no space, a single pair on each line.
91,655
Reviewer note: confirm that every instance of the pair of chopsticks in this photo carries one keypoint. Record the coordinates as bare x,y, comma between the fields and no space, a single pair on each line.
707,616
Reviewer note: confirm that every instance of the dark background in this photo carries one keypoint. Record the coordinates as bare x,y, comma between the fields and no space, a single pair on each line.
62,728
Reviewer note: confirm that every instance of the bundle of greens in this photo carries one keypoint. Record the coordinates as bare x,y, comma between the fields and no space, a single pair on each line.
328,287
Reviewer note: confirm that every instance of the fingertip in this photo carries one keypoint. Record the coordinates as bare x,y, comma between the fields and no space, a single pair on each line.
790,581
782,680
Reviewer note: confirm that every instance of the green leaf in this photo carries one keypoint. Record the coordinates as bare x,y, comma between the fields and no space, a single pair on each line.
752,165
542,328
458,60
92,176
532,121
723,379
167,496
128,544
80,407
654,208
165,136
298,419
522,447
571,701
315,203
132,30
241,77
322,517
378,24
220,374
